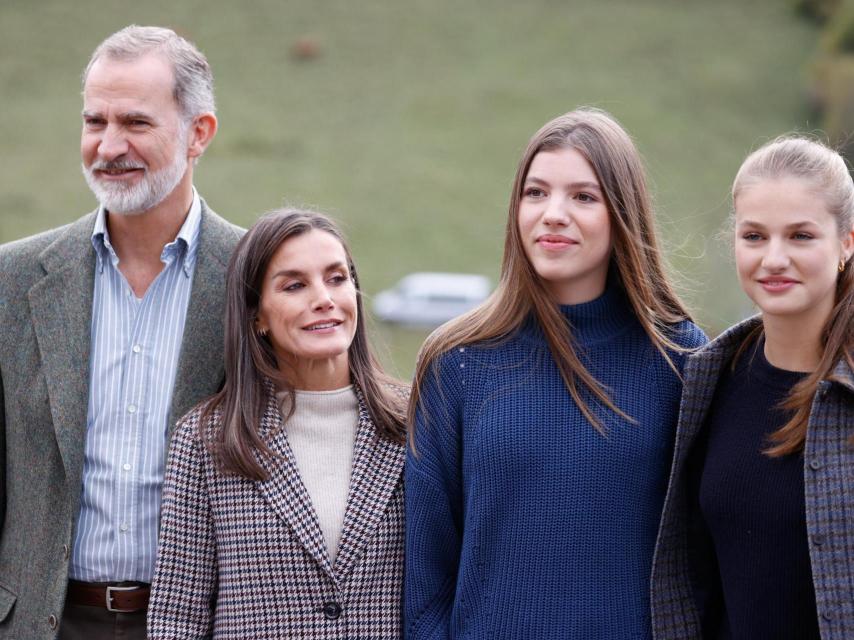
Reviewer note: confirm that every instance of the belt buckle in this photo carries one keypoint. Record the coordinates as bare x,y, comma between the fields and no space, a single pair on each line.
109,597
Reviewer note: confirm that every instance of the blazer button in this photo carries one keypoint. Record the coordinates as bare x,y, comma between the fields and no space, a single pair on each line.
332,610
52,622
65,551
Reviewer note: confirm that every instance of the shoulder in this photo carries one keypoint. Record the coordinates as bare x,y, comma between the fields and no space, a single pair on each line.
217,229
688,335
23,259
728,341
199,423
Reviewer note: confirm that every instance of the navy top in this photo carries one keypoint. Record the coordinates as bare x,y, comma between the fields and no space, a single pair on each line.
755,581
523,521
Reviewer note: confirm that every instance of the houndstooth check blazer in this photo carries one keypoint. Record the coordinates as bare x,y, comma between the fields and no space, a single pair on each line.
245,559
828,489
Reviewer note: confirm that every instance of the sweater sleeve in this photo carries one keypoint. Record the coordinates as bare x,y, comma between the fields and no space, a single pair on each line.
434,503
184,586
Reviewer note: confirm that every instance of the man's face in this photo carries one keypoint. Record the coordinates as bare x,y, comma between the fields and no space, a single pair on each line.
134,141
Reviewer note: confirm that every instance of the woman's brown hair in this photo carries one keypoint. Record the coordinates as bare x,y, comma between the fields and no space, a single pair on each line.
636,261
824,169
250,360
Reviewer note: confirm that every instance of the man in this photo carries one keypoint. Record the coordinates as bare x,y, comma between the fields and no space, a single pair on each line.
111,330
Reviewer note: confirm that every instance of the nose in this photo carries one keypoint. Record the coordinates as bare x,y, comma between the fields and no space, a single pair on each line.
557,212
113,144
776,258
322,300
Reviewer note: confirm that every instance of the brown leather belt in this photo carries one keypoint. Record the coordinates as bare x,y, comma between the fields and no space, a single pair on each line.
120,597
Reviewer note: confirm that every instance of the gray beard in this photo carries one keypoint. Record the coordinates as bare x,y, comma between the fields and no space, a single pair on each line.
135,199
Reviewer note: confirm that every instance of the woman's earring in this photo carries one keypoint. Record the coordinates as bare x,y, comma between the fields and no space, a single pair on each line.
262,333
841,266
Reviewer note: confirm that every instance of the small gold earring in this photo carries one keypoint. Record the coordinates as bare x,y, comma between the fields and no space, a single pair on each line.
262,333
841,266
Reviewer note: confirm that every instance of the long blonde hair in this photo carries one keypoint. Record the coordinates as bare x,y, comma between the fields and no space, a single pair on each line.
636,261
822,167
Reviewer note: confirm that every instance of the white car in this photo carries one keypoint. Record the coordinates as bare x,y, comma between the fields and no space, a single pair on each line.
430,299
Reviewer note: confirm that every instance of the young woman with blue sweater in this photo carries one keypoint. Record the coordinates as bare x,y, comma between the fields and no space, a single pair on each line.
543,420
757,535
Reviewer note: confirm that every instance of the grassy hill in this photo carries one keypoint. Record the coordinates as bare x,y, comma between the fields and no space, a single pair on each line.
408,124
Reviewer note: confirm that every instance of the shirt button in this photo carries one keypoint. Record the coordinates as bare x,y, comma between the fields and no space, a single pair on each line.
815,464
52,621
126,466
131,408
817,539
827,613
123,526
137,348
332,610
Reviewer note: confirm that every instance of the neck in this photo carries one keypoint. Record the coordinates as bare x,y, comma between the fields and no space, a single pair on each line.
321,375
791,344
138,239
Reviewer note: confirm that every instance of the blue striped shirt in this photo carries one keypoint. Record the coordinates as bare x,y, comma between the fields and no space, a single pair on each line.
133,362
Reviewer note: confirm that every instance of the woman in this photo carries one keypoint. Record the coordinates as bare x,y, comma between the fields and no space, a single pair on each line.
283,500
757,535
543,419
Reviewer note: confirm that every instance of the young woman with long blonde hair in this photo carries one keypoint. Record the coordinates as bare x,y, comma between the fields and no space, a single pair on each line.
757,535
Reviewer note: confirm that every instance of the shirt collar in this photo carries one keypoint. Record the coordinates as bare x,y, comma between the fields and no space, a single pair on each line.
184,247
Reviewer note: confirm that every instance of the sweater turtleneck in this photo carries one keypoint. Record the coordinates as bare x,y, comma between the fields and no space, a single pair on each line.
522,518
321,433
592,322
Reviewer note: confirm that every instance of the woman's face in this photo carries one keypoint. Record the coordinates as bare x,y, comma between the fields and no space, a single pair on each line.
787,249
565,225
308,306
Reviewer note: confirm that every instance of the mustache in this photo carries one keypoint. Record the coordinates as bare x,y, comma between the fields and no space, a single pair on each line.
115,165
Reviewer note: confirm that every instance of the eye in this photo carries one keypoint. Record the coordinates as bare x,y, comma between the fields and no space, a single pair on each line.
533,192
802,235
751,236
585,197
338,278
93,123
293,286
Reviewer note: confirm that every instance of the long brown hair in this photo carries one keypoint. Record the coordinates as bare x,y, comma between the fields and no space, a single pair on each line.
635,260
250,359
823,168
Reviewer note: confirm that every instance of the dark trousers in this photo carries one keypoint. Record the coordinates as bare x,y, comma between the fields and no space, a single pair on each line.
81,622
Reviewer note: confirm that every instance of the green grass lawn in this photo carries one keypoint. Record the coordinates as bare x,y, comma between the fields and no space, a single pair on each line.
408,125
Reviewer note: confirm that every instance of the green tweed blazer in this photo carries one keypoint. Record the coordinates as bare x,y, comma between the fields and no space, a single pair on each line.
46,290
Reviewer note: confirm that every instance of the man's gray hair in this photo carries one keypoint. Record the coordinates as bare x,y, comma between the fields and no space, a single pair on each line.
193,89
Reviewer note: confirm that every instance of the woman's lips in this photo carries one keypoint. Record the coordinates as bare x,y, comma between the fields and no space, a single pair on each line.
555,242
777,285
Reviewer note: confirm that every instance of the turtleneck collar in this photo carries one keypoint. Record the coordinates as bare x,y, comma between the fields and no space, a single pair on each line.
597,320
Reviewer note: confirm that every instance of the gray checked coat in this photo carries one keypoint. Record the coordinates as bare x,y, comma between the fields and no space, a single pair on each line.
246,559
828,488
46,287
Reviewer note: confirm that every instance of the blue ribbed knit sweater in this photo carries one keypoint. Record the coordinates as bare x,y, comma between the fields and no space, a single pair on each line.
522,520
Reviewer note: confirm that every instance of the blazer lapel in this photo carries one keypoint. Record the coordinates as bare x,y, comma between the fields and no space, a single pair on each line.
284,489
701,374
200,367
377,472
61,307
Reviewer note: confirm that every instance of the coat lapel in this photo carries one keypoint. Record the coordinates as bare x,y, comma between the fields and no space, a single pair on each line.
61,306
377,473
702,371
284,489
200,367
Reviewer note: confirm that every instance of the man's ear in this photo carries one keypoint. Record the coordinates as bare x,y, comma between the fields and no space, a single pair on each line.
202,130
